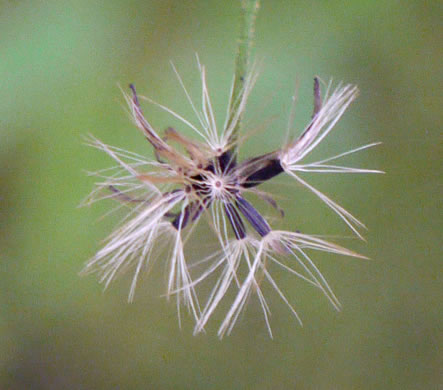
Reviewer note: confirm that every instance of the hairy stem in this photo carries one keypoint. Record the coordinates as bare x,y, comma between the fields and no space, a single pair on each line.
249,13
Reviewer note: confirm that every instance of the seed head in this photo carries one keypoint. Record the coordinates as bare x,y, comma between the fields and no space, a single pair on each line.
193,180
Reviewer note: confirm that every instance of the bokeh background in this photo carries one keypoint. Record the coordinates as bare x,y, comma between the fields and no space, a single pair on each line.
61,63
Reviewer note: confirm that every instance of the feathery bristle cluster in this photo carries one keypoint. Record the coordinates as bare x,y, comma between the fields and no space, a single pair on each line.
193,180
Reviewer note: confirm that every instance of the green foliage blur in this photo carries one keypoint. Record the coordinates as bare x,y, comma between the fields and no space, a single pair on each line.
61,64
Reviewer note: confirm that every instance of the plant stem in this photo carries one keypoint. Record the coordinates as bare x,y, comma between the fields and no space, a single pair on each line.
246,36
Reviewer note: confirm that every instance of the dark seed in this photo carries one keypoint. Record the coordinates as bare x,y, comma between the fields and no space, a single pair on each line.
253,216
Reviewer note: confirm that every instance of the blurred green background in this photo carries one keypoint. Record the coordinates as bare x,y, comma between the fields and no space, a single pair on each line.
60,66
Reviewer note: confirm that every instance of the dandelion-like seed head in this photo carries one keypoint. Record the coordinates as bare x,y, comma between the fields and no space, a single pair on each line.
200,179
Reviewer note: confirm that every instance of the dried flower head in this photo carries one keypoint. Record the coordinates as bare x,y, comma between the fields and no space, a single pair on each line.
200,179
